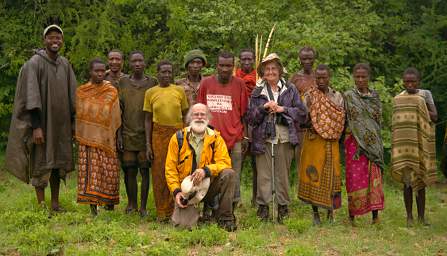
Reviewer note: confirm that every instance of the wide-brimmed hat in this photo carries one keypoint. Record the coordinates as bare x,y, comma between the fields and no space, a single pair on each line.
271,57
52,27
195,194
196,53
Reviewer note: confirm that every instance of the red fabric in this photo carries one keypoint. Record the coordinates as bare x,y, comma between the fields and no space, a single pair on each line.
227,104
363,181
249,79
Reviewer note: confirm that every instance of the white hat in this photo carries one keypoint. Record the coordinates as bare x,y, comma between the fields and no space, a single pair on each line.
51,28
195,194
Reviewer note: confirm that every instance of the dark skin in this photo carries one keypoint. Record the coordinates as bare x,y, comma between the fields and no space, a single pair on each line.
411,84
224,70
164,76
361,79
247,60
53,42
97,74
322,77
307,59
137,65
195,69
115,61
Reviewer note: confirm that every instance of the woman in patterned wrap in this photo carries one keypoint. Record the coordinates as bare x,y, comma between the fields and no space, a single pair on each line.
97,121
319,171
363,147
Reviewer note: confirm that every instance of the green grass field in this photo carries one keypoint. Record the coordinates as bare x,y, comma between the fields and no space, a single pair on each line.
27,229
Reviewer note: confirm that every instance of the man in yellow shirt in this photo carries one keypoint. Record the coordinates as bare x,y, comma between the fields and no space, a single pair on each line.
165,105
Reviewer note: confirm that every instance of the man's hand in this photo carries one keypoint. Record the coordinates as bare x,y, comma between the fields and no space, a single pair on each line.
38,137
178,201
197,176
149,153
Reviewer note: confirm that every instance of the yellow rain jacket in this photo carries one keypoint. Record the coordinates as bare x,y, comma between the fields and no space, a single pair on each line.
179,164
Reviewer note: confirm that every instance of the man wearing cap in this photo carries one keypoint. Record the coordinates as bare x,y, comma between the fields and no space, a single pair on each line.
115,62
200,162
226,97
39,146
195,60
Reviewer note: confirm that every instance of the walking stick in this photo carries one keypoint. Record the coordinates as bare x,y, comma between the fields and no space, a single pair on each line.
274,213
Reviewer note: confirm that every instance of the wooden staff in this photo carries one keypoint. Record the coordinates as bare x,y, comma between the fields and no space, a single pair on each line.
268,41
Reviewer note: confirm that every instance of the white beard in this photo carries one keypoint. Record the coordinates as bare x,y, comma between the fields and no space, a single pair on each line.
199,126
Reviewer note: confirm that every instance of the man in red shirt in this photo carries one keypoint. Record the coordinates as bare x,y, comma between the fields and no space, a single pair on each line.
226,97
247,73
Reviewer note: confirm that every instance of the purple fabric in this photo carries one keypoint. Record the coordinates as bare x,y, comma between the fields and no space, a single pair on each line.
258,118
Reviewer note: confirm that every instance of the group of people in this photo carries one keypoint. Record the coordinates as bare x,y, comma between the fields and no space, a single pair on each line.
192,135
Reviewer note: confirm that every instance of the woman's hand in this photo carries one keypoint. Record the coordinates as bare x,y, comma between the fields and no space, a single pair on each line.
270,106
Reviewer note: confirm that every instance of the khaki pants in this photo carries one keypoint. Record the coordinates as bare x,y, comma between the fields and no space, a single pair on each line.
222,185
283,158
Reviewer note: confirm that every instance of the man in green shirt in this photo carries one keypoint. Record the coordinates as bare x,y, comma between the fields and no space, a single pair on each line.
132,137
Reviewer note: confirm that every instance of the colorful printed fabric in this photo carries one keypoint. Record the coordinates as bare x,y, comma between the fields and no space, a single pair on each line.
413,155
303,82
319,172
97,116
364,113
98,176
161,135
97,120
328,119
363,181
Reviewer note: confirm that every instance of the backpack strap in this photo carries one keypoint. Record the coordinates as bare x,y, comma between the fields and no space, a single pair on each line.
179,135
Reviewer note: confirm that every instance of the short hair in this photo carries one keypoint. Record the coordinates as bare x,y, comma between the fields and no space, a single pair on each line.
247,50
132,53
307,49
278,64
324,67
95,61
117,51
364,66
162,63
189,114
412,71
225,55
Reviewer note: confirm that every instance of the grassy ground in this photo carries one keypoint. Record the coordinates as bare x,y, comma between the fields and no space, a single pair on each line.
27,229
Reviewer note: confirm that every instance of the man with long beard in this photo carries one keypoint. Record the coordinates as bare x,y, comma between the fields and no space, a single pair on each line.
198,152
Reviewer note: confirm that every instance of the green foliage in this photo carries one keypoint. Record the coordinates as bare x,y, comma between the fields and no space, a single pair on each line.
390,35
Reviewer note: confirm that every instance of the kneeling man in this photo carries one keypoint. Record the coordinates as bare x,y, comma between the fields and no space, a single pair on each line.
198,152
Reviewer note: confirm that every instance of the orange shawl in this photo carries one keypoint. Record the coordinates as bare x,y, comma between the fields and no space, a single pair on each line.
328,119
98,115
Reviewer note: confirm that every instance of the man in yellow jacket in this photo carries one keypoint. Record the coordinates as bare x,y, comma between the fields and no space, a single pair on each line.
202,154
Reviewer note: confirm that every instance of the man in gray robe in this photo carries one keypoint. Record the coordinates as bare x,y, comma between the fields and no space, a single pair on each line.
40,137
